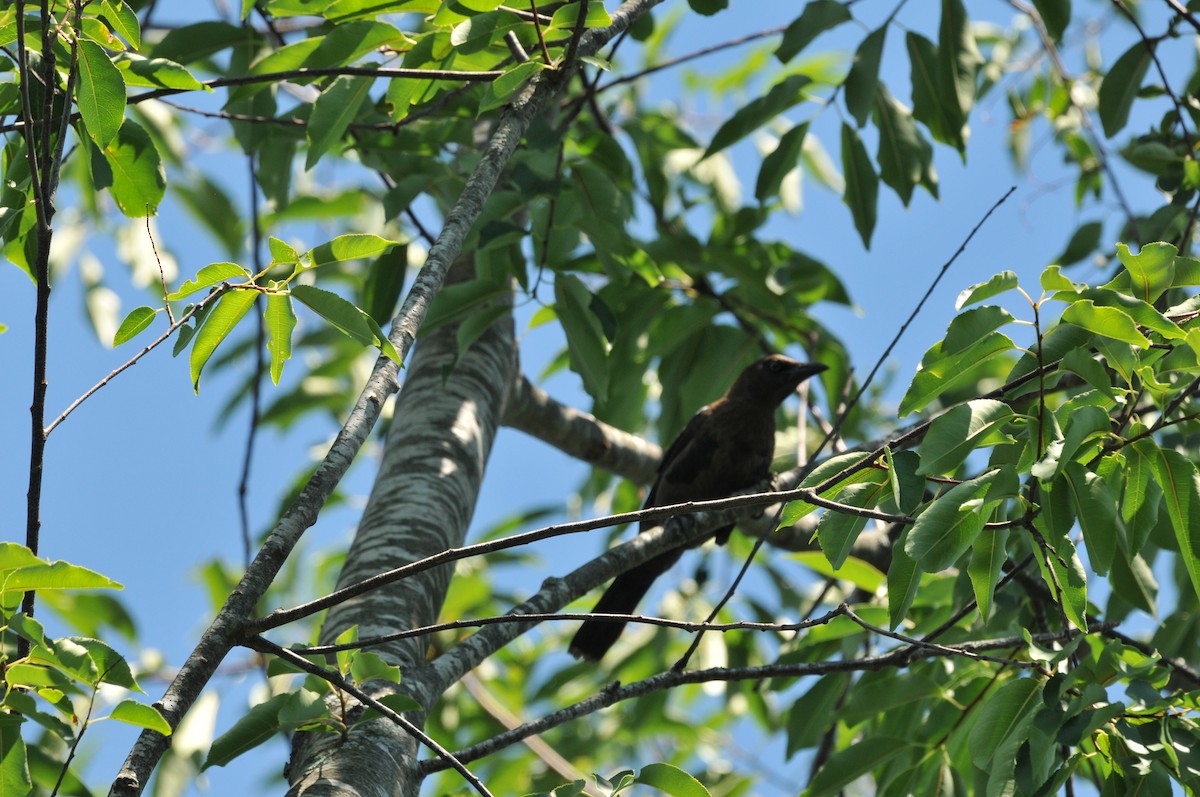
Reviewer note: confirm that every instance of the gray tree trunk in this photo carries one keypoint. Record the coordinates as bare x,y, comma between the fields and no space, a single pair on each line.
437,447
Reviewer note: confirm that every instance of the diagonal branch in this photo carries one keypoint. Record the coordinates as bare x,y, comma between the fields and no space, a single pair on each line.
227,628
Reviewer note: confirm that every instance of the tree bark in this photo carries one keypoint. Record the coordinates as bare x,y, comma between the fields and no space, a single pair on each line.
441,433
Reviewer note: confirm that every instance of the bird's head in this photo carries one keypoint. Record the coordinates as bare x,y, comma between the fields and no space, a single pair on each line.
772,379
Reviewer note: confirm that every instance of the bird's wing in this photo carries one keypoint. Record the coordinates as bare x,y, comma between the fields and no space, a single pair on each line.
683,461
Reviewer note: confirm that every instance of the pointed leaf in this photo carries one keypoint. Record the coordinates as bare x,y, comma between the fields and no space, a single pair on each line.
955,434
818,16
1121,85
997,284
988,555
945,530
783,95
864,75
231,308
1181,491
280,321
671,780
1097,512
212,274
776,165
99,93
357,246
862,184
333,112
138,319
1107,321
137,179
905,158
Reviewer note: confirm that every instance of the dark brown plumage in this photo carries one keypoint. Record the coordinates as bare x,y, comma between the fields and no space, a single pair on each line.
727,446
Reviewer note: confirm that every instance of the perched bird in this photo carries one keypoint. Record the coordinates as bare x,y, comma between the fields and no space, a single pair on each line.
727,446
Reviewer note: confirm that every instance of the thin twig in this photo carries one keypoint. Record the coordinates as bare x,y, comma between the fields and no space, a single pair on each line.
716,48
218,291
243,490
540,617
284,616
615,693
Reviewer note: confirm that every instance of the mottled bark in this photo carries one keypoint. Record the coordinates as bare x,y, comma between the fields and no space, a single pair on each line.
437,448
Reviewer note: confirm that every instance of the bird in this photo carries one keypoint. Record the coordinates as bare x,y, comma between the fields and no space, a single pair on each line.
727,446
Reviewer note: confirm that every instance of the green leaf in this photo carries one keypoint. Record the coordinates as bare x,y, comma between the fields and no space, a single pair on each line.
156,73
567,15
783,95
818,16
1150,272
282,253
1061,569
280,320
1084,241
501,90
959,60
190,43
949,525
256,726
1083,424
212,274
929,108
333,112
99,93
1121,85
994,286
810,716
988,555
356,246
123,21
860,84
384,282
14,763
346,317
1097,512
1005,715
970,326
55,575
821,474
141,715
848,765
477,33
903,579
861,574
837,531
1181,491
13,556
136,180
707,8
138,319
955,434
1055,14
230,309
862,184
946,373
586,344
905,158
777,164
1107,321
671,780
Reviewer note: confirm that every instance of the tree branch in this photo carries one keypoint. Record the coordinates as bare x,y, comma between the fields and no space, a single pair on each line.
579,434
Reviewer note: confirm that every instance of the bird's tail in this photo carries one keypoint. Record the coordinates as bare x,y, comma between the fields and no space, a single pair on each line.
595,637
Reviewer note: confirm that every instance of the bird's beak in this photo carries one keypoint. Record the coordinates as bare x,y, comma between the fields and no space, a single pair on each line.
805,370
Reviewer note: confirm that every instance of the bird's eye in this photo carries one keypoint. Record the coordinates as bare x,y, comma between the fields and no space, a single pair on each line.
774,365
